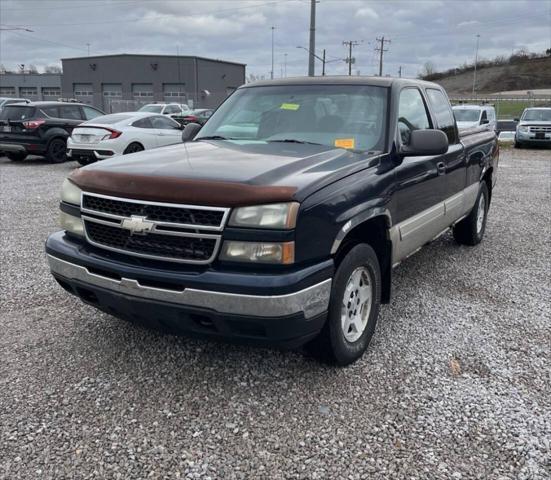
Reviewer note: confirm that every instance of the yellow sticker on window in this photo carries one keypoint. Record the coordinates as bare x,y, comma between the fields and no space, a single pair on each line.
289,106
344,142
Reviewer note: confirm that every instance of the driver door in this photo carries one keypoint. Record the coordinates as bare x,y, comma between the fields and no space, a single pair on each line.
420,181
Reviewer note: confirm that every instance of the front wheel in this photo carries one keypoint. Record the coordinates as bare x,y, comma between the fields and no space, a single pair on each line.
470,230
353,308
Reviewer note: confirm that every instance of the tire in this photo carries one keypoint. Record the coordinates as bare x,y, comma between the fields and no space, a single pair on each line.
133,148
342,342
470,230
57,150
16,156
84,162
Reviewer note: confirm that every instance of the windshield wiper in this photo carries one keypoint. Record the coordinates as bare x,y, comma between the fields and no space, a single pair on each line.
292,140
214,137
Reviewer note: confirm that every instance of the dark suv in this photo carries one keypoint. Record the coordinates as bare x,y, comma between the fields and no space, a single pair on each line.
41,128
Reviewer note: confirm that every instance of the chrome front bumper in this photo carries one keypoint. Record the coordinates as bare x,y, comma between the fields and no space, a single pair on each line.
311,301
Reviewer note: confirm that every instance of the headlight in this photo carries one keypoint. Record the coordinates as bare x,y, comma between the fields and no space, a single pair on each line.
70,193
523,129
71,223
276,215
263,252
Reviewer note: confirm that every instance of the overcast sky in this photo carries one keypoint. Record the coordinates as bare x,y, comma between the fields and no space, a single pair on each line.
442,31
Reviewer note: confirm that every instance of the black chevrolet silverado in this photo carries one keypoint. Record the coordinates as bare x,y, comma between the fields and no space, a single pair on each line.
282,220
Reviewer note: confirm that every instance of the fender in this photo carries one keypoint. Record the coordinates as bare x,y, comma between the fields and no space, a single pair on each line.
56,132
358,219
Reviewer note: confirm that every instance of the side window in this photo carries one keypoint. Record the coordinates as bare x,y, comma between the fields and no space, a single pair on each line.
442,113
50,112
484,117
143,123
412,113
71,112
164,123
171,109
90,113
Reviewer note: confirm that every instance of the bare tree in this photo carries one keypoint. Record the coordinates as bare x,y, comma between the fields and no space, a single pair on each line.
52,69
427,70
32,69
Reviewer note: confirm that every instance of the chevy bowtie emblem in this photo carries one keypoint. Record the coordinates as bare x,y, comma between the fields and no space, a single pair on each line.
137,225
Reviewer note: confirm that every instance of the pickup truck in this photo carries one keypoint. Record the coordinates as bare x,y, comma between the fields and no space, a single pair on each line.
283,229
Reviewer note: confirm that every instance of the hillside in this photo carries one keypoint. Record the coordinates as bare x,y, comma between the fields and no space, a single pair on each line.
528,75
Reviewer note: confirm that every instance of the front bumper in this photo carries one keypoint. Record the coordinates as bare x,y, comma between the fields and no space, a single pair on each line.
286,309
530,137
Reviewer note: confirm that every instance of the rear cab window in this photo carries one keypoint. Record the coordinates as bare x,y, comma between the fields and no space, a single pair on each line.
443,114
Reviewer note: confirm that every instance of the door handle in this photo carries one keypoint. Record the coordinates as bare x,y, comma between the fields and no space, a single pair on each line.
441,168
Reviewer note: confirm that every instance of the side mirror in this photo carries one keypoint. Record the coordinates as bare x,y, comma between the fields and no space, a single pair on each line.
190,131
425,142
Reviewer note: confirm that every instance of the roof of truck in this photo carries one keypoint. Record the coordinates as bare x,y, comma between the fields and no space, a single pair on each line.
341,80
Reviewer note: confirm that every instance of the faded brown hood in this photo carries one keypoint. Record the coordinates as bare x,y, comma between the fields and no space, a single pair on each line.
179,190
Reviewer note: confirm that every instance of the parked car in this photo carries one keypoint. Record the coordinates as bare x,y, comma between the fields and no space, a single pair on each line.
9,100
199,115
171,109
120,134
288,237
534,127
470,116
41,128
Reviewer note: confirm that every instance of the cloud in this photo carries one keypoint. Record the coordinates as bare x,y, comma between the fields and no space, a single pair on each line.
240,30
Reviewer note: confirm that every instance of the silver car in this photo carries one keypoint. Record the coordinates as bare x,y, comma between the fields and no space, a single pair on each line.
534,127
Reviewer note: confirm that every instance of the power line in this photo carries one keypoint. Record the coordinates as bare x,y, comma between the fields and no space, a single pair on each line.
381,51
350,60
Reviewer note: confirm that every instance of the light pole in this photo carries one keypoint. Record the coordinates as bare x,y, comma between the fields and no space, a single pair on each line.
475,65
285,64
311,66
272,71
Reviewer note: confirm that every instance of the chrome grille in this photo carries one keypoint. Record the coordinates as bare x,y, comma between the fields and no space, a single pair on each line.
540,129
162,231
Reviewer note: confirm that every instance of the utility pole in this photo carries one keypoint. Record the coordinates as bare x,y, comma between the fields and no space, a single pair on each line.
381,51
350,60
311,65
475,64
272,71
323,64
88,45
285,64
400,72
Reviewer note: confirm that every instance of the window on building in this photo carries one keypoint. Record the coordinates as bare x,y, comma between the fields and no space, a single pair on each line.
443,113
28,91
7,91
51,92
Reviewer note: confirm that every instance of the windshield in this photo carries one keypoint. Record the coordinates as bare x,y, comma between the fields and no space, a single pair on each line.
536,115
466,114
347,116
151,108
13,112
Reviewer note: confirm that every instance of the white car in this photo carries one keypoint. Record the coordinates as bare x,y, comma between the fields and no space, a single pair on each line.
470,116
172,109
120,134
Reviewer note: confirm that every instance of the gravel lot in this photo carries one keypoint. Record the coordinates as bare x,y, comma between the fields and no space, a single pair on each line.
456,383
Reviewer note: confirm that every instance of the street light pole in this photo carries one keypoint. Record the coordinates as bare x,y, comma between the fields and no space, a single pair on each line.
475,64
311,65
285,64
323,64
272,71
